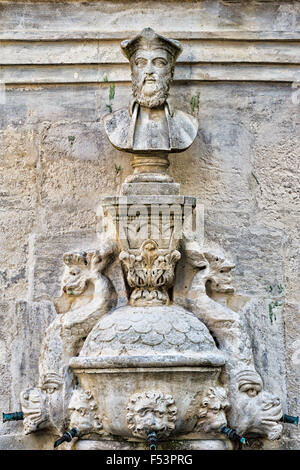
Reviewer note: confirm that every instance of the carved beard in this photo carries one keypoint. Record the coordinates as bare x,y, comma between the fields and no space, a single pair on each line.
160,95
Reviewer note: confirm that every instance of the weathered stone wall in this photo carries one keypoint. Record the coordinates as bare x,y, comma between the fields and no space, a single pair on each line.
58,61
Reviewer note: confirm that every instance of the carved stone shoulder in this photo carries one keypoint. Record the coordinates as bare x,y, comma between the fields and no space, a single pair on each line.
117,126
183,130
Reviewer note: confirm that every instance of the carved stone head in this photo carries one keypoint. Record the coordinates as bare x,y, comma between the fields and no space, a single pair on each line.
83,412
152,59
213,266
35,409
219,273
151,411
249,382
255,411
259,415
212,410
80,267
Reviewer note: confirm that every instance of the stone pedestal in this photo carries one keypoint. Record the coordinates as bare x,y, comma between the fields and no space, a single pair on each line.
150,167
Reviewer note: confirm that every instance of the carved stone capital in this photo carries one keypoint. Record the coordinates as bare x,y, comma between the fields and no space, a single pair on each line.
150,273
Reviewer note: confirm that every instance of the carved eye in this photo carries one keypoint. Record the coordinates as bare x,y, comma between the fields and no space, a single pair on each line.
51,388
225,269
140,62
74,271
252,392
159,62
250,389
143,411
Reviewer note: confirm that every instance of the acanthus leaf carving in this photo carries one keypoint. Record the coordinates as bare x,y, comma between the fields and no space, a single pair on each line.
150,273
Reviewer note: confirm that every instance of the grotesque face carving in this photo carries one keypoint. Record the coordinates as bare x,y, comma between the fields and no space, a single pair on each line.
212,411
83,412
82,267
74,281
255,411
52,385
151,411
81,272
221,281
252,389
34,407
152,73
44,406
214,268
77,273
259,415
51,382
219,273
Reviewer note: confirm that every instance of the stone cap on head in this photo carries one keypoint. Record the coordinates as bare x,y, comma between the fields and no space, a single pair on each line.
149,39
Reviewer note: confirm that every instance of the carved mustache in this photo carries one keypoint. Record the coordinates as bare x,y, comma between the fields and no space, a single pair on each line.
149,78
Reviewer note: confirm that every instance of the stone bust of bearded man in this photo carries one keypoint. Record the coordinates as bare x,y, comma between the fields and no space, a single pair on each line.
149,125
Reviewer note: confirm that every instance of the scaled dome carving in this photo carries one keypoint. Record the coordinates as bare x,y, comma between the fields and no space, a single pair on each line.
148,331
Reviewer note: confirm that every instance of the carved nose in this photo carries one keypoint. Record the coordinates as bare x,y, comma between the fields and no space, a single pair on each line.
151,421
274,401
149,68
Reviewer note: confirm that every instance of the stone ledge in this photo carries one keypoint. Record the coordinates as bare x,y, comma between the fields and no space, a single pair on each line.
142,189
148,199
175,363
120,73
